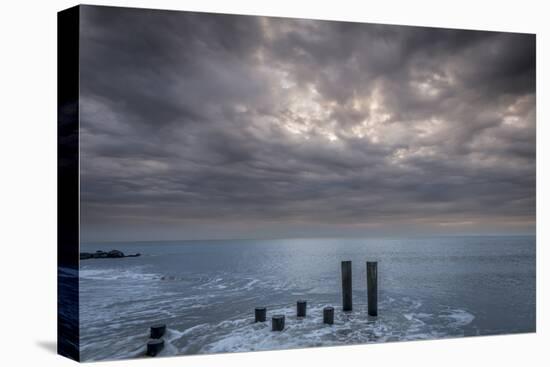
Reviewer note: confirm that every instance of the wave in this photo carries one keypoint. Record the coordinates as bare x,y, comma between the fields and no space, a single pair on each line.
135,273
400,319
241,334
457,317
111,321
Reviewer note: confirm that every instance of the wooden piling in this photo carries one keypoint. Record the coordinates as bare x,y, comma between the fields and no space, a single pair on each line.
301,308
346,286
278,323
154,347
372,287
328,315
260,314
158,331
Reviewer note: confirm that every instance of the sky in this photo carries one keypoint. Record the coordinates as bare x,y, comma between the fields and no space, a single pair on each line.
209,126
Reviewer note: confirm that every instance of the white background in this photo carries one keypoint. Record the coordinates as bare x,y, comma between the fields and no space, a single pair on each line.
28,182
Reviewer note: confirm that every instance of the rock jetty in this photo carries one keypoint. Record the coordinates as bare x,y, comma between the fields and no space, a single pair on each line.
113,254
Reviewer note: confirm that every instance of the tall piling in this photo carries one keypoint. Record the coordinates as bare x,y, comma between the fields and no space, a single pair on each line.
346,286
372,287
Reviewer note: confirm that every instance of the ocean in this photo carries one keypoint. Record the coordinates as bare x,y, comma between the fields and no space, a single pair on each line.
206,292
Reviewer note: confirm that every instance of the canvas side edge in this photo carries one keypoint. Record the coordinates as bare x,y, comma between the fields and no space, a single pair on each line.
68,331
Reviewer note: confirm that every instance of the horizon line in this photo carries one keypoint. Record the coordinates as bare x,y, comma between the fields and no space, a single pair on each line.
313,238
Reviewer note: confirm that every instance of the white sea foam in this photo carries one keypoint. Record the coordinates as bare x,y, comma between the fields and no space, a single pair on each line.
241,334
229,283
136,273
250,283
122,347
399,319
458,318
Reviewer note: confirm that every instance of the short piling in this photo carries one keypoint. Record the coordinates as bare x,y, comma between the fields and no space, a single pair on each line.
301,308
154,347
346,286
372,287
328,315
278,323
260,314
157,331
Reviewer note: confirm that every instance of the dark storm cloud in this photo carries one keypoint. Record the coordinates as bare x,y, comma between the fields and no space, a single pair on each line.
199,125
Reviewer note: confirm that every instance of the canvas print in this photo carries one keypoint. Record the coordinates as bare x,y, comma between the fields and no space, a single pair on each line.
233,183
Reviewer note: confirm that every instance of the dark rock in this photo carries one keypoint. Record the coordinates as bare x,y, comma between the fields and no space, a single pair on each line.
85,255
99,255
115,253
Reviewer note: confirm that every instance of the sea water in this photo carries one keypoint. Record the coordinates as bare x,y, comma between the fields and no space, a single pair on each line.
206,292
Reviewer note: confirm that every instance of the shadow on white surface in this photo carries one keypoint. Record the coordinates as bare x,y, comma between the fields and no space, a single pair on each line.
48,345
